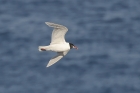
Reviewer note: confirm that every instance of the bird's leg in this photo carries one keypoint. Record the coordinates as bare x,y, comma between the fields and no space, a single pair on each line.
42,48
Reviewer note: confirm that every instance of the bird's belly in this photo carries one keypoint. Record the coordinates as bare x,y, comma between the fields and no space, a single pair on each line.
59,47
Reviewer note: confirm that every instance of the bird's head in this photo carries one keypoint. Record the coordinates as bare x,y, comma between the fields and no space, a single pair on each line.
72,46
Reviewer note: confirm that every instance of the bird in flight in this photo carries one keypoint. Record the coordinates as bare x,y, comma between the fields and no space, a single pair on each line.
58,43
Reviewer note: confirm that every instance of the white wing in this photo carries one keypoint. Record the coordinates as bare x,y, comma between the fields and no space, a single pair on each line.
58,34
57,58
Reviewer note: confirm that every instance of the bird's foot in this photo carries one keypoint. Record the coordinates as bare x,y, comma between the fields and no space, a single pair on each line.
42,49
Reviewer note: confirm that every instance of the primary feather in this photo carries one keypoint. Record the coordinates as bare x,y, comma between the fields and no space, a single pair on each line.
57,58
58,34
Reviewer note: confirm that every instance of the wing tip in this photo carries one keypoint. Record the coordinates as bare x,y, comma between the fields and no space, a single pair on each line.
47,23
50,24
48,65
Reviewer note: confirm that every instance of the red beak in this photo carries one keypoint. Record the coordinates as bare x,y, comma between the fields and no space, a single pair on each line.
75,47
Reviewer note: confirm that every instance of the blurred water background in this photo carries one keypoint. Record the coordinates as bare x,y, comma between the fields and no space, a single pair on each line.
107,33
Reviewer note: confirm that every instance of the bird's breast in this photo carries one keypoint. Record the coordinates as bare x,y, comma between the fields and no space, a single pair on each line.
59,47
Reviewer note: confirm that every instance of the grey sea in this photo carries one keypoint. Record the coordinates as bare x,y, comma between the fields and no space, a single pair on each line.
107,33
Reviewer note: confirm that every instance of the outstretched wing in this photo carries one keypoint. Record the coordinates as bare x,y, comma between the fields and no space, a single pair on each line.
57,58
58,34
